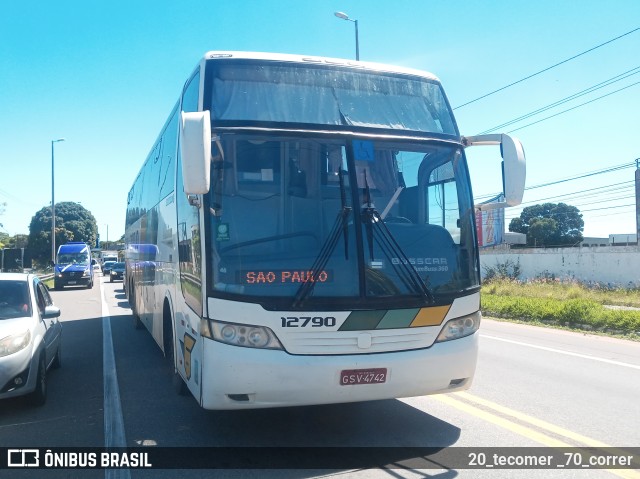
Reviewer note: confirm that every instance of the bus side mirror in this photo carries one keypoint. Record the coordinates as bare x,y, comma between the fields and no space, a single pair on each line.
514,170
195,150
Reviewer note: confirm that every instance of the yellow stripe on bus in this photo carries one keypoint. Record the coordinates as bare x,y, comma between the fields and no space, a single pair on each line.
430,316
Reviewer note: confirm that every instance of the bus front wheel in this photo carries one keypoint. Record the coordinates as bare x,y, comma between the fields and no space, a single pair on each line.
170,353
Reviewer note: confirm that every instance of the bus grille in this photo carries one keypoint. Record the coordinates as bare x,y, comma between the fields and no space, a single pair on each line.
359,342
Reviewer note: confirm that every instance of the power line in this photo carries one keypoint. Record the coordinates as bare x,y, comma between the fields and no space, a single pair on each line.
548,68
609,207
580,193
494,221
575,107
591,89
580,205
583,194
564,180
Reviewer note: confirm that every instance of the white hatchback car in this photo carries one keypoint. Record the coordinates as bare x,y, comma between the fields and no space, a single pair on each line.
30,337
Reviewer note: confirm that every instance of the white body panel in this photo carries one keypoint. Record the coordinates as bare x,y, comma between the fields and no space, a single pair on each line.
272,378
277,379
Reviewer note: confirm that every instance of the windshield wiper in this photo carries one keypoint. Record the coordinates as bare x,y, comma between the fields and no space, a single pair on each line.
377,229
340,226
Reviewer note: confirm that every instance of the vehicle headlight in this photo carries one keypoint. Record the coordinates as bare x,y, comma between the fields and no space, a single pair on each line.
460,327
14,343
240,334
87,272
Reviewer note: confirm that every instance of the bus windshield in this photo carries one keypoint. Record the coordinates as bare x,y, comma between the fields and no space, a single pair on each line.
328,218
328,96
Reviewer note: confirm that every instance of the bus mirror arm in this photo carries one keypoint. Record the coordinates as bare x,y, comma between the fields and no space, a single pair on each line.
194,200
195,151
513,167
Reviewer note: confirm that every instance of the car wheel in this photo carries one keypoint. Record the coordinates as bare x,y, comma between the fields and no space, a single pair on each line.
57,360
39,396
57,286
111,279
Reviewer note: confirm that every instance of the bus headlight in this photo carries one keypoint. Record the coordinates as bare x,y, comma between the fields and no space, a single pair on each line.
240,334
460,327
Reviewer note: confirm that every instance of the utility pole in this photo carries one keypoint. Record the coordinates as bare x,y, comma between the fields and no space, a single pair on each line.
638,202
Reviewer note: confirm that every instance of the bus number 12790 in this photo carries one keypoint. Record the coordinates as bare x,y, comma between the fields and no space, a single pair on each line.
304,321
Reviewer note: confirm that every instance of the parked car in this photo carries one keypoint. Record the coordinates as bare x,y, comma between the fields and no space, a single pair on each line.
106,267
117,271
30,337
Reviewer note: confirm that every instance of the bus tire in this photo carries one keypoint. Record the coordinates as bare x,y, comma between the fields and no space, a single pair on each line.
170,352
137,324
179,385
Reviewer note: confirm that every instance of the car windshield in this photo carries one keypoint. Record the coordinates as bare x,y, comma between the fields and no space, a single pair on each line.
303,219
14,299
117,266
73,258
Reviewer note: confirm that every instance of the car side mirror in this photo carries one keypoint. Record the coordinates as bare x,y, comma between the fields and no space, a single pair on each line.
51,312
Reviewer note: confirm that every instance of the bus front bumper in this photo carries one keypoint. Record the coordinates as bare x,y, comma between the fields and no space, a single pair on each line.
245,378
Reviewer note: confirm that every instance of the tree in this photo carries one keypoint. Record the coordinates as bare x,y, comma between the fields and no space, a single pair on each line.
17,241
549,224
73,223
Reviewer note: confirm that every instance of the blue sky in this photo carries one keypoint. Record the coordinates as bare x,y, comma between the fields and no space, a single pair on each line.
104,76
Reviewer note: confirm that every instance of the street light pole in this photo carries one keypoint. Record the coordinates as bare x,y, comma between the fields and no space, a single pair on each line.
344,16
53,203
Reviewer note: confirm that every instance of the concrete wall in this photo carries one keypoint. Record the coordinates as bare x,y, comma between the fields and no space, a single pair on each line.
608,265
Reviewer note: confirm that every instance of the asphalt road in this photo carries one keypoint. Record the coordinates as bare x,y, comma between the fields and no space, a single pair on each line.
534,387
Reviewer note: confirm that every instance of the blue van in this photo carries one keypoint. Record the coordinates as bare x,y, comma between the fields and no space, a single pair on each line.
73,266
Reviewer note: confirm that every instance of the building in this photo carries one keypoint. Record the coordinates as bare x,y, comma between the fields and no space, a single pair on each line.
623,240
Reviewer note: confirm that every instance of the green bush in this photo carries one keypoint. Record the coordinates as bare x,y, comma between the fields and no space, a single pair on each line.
575,313
507,270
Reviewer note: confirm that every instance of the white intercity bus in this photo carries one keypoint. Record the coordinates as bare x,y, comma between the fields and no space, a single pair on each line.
303,232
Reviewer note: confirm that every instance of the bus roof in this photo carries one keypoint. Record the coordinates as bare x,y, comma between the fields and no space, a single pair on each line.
309,59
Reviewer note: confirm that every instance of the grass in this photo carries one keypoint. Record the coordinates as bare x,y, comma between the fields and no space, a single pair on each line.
564,304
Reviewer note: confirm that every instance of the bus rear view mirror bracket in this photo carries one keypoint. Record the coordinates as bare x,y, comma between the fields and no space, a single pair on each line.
195,150
513,167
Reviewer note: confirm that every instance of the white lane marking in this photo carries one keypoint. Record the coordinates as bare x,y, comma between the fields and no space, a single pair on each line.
114,435
567,353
